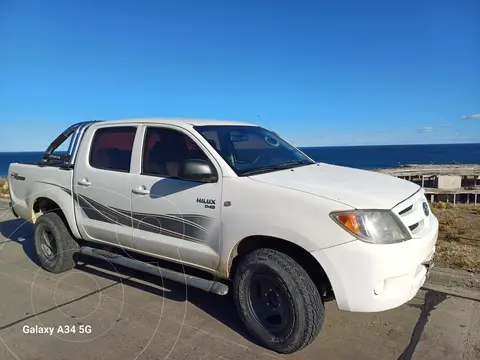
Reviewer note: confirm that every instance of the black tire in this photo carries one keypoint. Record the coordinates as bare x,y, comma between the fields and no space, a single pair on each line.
52,233
303,309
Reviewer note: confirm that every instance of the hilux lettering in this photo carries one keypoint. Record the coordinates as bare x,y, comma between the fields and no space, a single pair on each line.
206,201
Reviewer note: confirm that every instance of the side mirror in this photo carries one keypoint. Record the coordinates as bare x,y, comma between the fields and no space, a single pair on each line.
198,170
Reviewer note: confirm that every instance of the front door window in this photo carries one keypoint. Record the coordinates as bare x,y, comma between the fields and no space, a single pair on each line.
165,150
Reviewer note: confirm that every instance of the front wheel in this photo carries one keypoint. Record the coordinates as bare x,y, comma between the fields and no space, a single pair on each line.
277,301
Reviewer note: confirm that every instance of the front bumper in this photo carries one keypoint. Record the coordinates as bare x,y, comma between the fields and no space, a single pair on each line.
369,277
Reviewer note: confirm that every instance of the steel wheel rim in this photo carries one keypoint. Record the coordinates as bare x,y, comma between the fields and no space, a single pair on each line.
48,244
269,303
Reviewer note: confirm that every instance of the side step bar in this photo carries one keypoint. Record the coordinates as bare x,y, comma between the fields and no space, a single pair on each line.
199,283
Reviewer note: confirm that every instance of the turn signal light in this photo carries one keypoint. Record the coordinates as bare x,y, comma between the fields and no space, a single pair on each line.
350,222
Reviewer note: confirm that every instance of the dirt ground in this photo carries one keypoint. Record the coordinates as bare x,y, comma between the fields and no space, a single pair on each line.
459,238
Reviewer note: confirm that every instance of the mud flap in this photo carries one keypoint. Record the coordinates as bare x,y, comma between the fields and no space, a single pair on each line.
429,265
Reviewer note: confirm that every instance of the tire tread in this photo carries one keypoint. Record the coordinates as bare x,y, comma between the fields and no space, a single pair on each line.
67,246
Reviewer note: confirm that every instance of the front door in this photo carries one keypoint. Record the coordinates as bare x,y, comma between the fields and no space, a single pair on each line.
175,219
102,184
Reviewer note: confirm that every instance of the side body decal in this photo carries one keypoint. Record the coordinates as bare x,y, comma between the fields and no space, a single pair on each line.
191,227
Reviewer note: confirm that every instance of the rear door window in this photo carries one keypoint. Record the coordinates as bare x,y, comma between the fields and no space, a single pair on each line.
111,148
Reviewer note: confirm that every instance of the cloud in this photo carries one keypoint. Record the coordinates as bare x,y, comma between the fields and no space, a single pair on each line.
426,129
470,117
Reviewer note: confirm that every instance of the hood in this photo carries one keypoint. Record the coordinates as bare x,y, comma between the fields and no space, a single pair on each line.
360,189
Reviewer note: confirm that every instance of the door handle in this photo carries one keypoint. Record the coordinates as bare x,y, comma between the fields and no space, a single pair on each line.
141,190
84,182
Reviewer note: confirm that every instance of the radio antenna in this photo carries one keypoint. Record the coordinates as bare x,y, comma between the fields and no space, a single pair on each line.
261,120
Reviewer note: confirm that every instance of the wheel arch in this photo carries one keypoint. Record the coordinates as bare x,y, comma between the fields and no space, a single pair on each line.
44,204
298,253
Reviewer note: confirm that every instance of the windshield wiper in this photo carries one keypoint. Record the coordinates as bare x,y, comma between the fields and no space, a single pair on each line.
296,162
281,166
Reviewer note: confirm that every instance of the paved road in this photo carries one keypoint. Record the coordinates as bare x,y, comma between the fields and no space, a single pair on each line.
128,315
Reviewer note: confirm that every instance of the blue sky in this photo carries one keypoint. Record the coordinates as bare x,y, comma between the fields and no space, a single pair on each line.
343,72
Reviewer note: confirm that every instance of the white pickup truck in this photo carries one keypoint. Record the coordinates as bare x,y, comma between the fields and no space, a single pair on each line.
229,205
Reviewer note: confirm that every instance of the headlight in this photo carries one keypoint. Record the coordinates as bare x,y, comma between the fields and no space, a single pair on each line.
376,227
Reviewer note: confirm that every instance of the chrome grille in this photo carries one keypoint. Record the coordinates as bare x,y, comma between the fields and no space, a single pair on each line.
412,214
404,211
413,227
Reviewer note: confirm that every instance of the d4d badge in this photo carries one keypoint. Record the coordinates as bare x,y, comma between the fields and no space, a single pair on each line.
209,203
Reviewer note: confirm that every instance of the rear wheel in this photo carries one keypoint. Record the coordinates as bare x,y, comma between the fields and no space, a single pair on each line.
277,301
56,249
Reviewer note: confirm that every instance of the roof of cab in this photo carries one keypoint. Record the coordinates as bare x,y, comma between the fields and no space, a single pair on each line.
181,121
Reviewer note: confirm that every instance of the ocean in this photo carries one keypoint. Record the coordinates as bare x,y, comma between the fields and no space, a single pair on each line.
362,157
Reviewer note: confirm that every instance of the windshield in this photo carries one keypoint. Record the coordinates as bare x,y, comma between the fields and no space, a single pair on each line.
252,149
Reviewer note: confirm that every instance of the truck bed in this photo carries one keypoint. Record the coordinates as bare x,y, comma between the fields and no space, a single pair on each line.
31,181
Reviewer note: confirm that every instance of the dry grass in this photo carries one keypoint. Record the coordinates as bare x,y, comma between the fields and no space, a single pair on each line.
459,237
3,187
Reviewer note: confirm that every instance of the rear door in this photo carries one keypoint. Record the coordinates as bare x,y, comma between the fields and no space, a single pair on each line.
175,219
102,184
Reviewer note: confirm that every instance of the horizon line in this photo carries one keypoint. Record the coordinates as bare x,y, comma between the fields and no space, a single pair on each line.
307,146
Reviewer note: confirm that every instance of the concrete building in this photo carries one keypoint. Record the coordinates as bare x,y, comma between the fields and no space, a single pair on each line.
448,183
